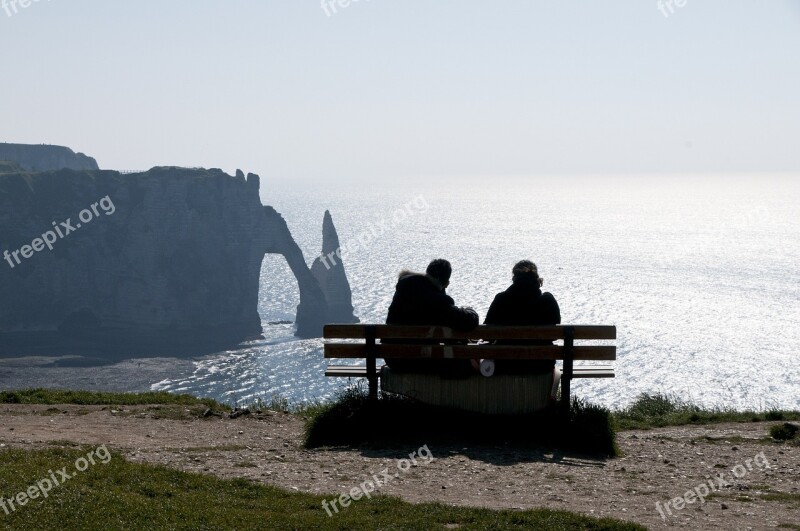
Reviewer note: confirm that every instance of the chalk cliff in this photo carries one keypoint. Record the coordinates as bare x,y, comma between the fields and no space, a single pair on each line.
41,157
329,271
162,261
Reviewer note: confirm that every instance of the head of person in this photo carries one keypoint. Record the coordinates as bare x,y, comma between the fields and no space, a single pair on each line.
526,271
440,270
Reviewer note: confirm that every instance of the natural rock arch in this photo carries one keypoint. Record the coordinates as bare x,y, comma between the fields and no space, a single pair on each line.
312,312
325,295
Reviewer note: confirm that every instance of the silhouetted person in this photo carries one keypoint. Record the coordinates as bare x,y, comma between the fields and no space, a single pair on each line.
422,300
524,304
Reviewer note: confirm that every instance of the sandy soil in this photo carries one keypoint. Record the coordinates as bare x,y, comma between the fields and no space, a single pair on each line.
658,466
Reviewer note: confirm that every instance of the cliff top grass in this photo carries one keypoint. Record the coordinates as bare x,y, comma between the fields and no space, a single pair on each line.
93,398
352,419
125,495
661,410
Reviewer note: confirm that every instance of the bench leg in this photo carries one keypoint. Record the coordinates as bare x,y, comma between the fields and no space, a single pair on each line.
372,373
372,377
566,378
565,392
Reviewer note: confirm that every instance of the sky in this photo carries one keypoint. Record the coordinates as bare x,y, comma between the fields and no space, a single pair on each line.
384,90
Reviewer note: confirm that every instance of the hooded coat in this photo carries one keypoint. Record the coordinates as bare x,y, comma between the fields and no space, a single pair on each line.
421,300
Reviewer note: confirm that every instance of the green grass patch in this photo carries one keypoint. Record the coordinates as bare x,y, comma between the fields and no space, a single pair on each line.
276,402
735,439
660,410
92,398
784,432
125,495
646,412
354,419
782,497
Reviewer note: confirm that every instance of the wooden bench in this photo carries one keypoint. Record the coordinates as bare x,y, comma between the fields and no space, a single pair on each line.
361,342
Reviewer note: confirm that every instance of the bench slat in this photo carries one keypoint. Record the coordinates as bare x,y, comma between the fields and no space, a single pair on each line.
588,371
581,371
543,352
358,331
349,371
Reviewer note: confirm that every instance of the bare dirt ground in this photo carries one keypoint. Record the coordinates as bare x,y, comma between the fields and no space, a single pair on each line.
658,465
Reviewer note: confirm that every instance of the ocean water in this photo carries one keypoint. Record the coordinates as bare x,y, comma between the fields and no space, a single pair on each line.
699,274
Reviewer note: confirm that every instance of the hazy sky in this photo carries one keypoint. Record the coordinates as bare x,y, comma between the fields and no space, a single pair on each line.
389,89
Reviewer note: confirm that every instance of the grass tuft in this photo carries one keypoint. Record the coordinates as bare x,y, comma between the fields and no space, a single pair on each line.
660,410
281,404
784,432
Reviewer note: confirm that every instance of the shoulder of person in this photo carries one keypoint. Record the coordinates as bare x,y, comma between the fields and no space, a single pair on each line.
504,294
409,278
500,300
548,296
406,274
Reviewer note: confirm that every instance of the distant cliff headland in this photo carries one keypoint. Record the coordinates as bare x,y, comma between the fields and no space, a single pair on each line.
43,157
165,261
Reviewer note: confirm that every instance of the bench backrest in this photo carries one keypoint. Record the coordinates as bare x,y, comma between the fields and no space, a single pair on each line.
437,342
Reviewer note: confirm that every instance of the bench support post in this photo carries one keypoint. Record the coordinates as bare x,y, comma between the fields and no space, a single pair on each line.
372,373
566,377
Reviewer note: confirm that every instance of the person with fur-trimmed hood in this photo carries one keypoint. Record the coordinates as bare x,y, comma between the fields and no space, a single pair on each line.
421,299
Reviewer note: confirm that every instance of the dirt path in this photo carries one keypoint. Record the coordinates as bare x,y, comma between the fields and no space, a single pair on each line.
659,465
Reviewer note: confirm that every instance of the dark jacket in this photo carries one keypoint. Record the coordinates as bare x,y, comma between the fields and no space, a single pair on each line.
524,304
421,300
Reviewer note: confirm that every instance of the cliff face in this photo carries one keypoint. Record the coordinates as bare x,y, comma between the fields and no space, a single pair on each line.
166,260
10,167
163,256
37,158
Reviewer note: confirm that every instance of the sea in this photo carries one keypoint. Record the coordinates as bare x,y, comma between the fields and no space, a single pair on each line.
698,273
